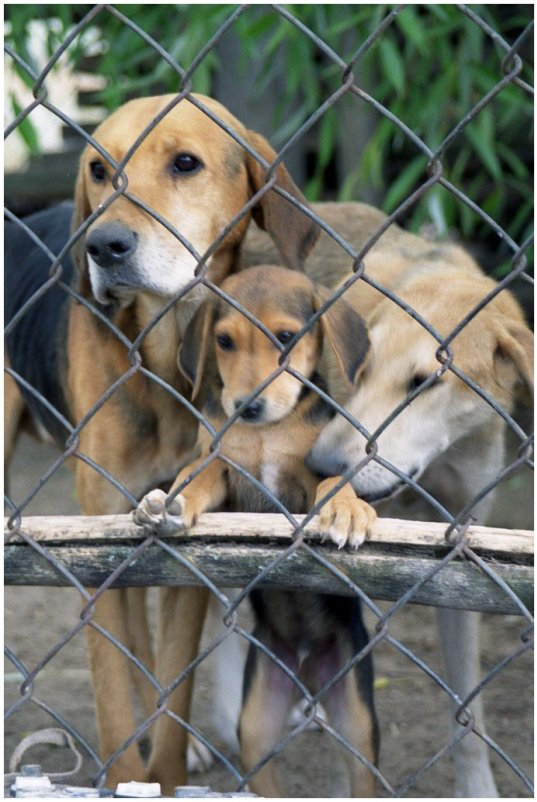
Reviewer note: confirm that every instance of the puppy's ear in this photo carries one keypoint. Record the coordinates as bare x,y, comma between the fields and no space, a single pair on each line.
292,231
514,359
345,332
196,355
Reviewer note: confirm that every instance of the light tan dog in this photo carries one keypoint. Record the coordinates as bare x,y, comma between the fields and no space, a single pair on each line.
448,438
494,350
178,162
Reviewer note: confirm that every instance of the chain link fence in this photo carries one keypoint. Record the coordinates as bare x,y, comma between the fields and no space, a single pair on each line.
448,564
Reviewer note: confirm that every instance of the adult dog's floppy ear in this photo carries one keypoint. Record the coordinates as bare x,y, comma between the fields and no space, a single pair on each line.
196,355
345,332
292,231
81,212
514,358
82,208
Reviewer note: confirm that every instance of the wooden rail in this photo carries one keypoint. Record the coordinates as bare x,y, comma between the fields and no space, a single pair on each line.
232,548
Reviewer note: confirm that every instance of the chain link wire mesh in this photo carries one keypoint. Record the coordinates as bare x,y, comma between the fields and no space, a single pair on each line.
320,560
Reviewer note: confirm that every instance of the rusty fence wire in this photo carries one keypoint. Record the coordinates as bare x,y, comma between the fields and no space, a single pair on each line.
320,560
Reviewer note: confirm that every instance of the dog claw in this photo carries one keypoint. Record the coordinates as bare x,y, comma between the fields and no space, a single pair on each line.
347,524
337,537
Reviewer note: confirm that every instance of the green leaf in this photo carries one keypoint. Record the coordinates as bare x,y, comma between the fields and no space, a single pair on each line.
405,183
513,161
412,27
327,138
350,189
481,135
26,128
392,64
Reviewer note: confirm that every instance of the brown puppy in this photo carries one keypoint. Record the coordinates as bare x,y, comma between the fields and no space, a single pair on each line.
191,172
230,360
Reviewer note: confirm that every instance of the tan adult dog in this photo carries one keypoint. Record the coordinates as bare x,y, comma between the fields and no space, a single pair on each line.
181,164
449,438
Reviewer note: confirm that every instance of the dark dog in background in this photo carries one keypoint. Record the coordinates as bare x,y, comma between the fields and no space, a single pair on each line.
227,357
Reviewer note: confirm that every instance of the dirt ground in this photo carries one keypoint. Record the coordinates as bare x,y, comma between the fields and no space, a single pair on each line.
411,708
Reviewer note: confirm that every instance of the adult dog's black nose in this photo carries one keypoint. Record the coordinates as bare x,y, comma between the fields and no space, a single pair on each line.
111,244
253,412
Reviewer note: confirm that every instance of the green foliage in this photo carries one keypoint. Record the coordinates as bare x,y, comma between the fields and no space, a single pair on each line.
429,67
26,129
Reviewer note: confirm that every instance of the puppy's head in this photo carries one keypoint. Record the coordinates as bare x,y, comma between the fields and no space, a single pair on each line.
183,179
223,346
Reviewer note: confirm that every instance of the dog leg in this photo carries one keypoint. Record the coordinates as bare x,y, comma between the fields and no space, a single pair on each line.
110,670
352,719
13,412
229,671
457,478
268,698
227,676
140,644
181,616
459,635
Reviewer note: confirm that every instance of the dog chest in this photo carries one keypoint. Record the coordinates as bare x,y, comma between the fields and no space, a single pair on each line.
273,459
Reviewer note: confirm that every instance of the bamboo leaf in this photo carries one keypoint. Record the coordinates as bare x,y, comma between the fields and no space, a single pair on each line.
481,135
26,128
405,183
393,65
412,27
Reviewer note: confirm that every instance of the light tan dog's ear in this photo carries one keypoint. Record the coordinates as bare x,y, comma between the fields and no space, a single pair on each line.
292,231
515,350
346,334
196,355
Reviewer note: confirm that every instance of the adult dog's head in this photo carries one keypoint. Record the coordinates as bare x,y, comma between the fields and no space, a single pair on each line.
182,179
494,350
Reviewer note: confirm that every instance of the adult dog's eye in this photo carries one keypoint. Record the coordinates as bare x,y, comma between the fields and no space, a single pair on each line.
185,163
416,381
98,171
225,342
285,336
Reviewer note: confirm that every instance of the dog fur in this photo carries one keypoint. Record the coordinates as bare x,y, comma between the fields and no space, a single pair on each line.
175,160
448,438
229,359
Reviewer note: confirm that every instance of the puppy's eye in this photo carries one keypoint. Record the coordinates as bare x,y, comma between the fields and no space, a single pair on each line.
416,381
185,163
98,171
285,336
225,342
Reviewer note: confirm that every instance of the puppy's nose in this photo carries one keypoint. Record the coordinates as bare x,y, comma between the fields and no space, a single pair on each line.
254,410
111,244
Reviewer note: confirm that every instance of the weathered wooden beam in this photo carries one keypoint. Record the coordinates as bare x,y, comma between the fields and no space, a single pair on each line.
231,549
